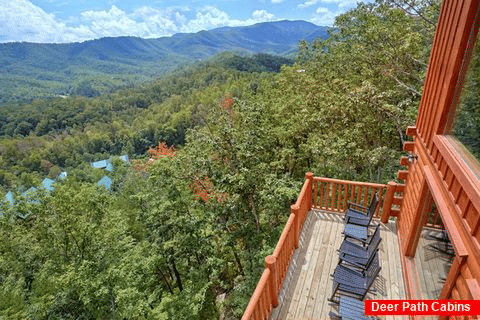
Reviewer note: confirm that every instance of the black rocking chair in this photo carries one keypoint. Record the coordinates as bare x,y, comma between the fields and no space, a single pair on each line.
359,256
359,215
353,283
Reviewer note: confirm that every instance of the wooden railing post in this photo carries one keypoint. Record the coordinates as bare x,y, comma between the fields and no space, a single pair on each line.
387,204
309,177
295,208
272,283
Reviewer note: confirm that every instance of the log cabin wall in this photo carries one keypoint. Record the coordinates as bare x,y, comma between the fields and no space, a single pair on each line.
443,172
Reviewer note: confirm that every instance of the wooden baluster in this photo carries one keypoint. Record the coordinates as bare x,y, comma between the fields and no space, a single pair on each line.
345,197
263,307
328,195
267,302
334,194
359,194
260,308
315,190
321,195
324,194
374,189
256,313
365,196
339,198
338,193
380,198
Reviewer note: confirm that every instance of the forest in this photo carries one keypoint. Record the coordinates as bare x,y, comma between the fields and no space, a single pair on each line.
33,70
219,151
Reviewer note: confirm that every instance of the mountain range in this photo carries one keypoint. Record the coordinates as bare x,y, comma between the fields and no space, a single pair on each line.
32,70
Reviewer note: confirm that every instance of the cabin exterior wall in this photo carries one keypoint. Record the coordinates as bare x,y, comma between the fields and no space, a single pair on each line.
439,169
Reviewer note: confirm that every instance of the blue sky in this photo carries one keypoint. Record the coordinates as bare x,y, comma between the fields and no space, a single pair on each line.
59,21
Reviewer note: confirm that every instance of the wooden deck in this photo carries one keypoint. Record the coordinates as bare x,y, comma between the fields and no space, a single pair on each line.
308,284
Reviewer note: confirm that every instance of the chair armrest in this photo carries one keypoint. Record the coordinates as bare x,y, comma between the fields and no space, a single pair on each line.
356,205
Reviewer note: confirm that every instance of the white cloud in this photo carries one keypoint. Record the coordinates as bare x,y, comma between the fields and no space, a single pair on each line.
162,22
277,1
340,3
211,17
114,22
20,20
309,3
207,18
324,17
262,15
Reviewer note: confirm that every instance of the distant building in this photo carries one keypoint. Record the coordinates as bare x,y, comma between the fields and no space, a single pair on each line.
48,184
103,164
9,198
107,163
106,182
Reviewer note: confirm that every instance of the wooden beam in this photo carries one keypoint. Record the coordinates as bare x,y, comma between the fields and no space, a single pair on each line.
402,175
408,146
452,276
411,131
394,212
404,161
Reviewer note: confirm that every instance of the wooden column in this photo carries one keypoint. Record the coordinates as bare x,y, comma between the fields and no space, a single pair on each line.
309,177
296,223
272,283
387,203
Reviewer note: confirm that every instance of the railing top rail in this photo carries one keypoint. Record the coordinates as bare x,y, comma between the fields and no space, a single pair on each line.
284,235
262,283
367,184
303,191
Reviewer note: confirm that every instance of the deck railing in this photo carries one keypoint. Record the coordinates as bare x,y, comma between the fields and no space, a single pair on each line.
320,193
334,195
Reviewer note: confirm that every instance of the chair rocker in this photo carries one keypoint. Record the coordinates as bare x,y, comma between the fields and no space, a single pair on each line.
350,309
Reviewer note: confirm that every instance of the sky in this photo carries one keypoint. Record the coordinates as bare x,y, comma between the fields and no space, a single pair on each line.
62,21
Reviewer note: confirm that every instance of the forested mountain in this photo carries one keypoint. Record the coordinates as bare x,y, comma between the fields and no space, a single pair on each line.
219,154
29,70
